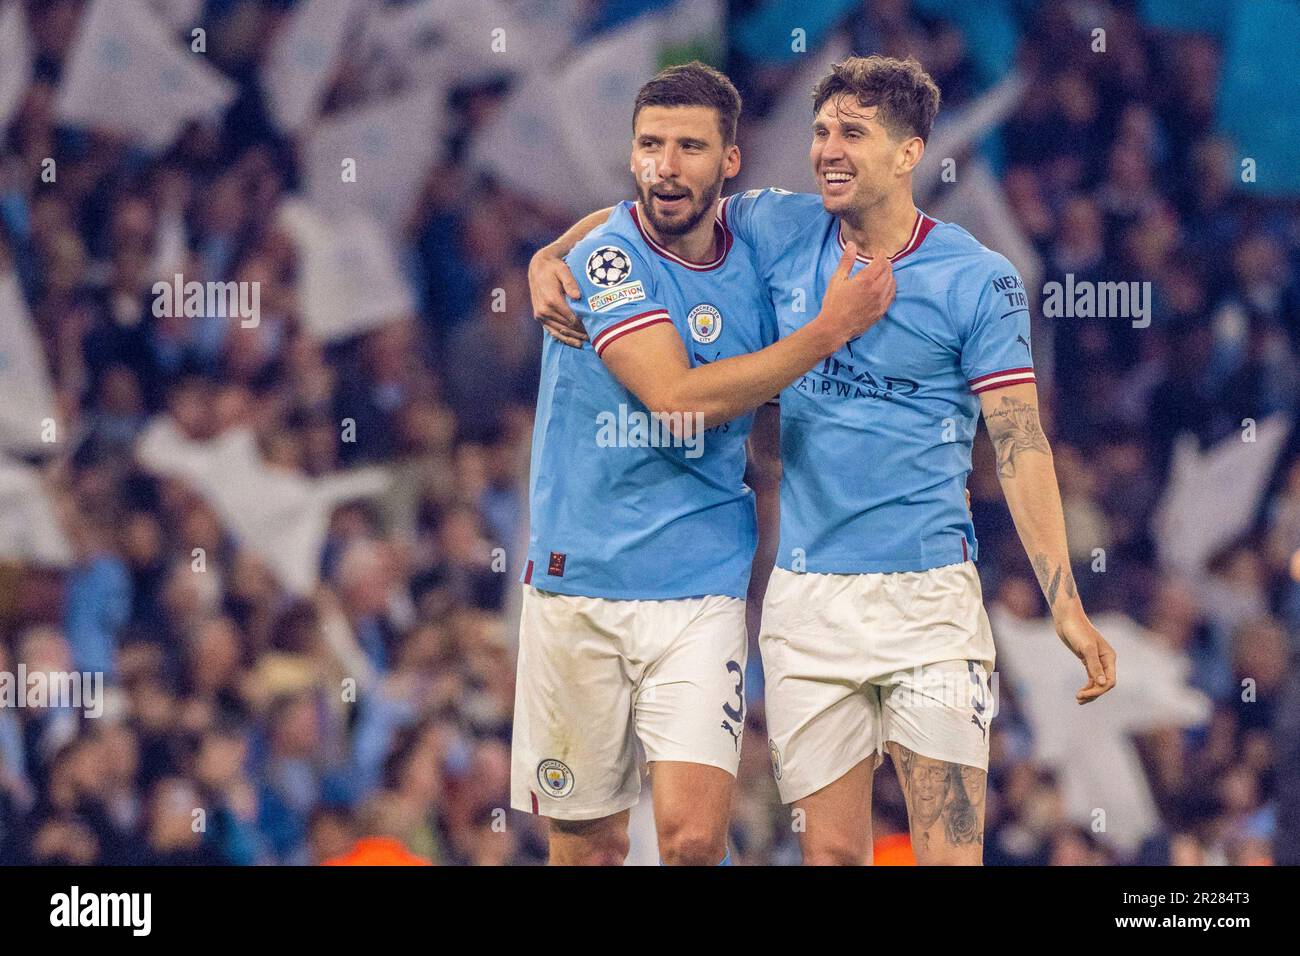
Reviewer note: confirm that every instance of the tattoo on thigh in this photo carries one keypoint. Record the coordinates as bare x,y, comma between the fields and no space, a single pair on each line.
944,800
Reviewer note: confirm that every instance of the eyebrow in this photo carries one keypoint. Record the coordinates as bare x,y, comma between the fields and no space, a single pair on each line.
685,140
849,126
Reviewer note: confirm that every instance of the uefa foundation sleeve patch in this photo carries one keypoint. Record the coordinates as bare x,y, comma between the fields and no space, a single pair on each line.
628,292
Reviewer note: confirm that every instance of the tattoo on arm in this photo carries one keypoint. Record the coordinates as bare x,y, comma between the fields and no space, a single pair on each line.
945,801
1054,581
1015,430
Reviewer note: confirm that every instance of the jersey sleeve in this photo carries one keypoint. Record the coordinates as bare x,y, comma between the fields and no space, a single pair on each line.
765,219
996,351
618,296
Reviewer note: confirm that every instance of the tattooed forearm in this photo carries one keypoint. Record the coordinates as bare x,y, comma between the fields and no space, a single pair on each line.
1054,580
1015,430
945,801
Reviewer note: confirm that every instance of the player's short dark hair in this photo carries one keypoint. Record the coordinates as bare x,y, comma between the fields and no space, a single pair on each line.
907,98
693,84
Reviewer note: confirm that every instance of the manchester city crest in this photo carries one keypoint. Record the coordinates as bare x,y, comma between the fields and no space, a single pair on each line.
705,323
555,777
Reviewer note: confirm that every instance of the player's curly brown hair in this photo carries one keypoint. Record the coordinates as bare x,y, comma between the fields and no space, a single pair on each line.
907,97
693,84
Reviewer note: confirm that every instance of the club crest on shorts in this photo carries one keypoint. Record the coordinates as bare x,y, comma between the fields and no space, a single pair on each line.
555,777
608,266
776,758
705,323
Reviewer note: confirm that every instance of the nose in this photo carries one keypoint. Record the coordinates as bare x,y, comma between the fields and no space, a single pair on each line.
668,163
832,148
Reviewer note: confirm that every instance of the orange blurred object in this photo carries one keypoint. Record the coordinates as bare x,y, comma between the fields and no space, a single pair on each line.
893,850
378,851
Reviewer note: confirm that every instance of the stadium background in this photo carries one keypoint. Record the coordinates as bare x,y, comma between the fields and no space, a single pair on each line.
291,548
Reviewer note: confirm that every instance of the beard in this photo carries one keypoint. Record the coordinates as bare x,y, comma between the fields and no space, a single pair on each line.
856,207
697,207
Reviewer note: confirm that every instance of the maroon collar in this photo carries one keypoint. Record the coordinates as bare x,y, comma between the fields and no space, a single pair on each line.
920,230
722,240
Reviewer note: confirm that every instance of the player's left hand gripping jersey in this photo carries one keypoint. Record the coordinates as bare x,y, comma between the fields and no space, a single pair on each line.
876,441
620,507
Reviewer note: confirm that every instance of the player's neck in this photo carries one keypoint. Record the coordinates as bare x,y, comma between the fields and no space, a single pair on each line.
698,245
884,229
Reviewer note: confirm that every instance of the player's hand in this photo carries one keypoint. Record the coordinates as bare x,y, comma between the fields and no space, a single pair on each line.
551,285
853,304
1098,657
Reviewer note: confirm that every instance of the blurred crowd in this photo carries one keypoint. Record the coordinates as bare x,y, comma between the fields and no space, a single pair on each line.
249,725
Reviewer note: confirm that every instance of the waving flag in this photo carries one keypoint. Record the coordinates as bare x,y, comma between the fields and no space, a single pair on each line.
564,137
24,379
1092,748
393,144
298,71
15,59
127,73
251,497
29,526
1212,495
468,41
349,281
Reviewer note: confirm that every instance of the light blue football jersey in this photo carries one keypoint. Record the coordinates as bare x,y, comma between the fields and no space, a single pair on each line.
876,441
618,510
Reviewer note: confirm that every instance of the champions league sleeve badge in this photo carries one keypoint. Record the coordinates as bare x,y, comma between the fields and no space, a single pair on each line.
608,266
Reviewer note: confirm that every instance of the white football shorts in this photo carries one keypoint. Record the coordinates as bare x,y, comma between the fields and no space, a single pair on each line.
854,660
595,675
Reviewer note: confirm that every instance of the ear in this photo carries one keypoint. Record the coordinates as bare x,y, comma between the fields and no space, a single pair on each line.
909,154
731,164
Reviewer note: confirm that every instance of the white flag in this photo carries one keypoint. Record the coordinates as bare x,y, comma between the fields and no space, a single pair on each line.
29,526
178,14
15,59
392,145
24,379
348,276
1211,496
303,62
468,41
279,515
126,72
565,138
1091,748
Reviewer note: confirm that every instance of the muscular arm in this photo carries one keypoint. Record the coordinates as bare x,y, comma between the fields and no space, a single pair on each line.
551,285
652,364
1028,477
651,361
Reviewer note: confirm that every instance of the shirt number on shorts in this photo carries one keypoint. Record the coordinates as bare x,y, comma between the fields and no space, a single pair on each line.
734,713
